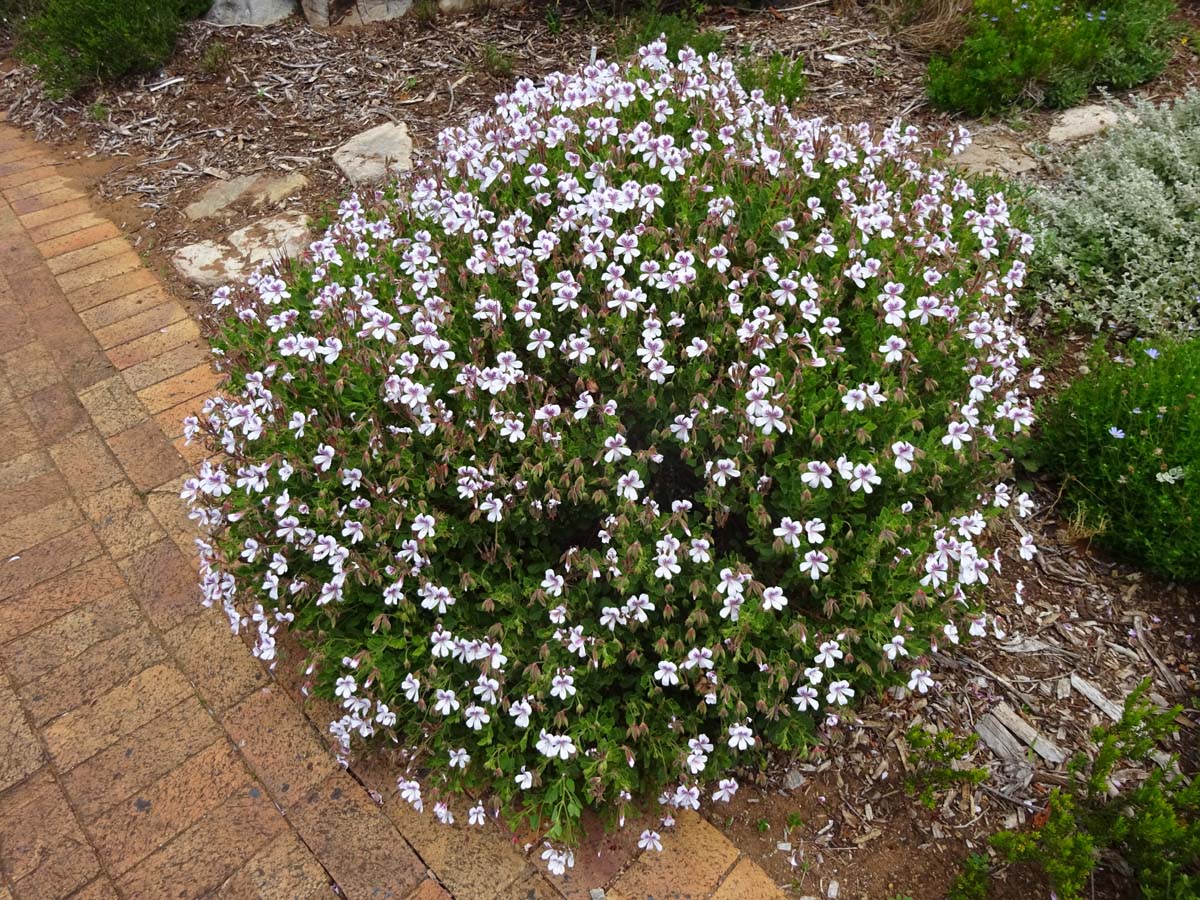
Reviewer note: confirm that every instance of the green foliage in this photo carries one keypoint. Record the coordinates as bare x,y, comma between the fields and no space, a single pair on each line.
678,30
495,61
75,43
1154,825
215,58
1119,240
780,78
1051,52
972,882
938,757
1143,478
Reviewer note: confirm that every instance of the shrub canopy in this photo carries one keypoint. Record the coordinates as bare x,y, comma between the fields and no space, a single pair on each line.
646,426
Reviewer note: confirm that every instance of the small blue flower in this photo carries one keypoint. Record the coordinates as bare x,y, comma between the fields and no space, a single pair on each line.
1137,410
1116,432
1152,353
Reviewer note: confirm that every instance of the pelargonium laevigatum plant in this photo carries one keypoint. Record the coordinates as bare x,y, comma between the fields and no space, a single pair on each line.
644,428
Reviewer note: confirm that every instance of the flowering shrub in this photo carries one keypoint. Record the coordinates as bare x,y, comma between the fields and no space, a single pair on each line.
1119,237
648,426
1126,440
1051,52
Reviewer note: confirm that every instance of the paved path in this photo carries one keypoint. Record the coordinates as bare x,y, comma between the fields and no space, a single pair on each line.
143,752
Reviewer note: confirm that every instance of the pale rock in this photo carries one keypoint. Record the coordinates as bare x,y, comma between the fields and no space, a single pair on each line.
259,189
279,237
995,154
373,155
596,894
353,12
1084,122
793,779
250,12
210,264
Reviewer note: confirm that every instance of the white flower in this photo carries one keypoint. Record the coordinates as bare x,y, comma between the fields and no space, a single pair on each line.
423,526
667,673
460,758
629,484
840,693
895,647
345,687
828,655
815,563
806,696
740,737
524,779
650,840
773,599
562,686
476,815
920,680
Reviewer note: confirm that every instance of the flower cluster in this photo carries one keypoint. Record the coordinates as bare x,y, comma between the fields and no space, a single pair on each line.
649,425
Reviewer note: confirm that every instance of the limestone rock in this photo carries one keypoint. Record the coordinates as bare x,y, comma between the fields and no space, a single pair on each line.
250,12
259,189
353,12
373,155
1083,122
210,264
995,154
279,237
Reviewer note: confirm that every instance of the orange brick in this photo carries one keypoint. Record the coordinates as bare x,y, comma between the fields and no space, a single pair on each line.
25,467
100,889
30,496
113,406
534,886
146,455
141,323
163,583
55,412
31,656
19,437
280,744
694,858
748,882
171,514
171,421
24,160
429,889
38,527
355,841
99,317
86,462
283,870
601,855
167,364
203,857
21,752
30,368
104,270
87,255
150,345
54,579
77,240
63,227
218,663
104,291
136,827
27,176
91,675
45,852
121,520
198,450
84,732
462,858
172,391
34,187
140,758
54,214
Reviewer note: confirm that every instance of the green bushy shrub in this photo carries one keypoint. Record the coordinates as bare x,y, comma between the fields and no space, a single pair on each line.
1154,825
780,78
1119,237
677,30
1051,52
1126,440
75,43
644,429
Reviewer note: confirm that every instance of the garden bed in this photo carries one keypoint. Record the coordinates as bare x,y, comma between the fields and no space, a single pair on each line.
1087,632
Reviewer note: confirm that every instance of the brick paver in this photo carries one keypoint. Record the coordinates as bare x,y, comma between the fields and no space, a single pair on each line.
143,752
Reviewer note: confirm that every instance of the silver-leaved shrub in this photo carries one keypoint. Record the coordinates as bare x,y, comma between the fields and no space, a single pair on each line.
646,427
1119,237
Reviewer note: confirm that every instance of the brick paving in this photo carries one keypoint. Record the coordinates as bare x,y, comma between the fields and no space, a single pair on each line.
143,752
